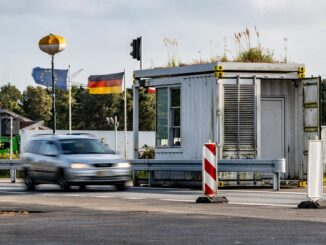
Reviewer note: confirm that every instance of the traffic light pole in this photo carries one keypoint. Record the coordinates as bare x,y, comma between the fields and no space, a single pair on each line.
141,53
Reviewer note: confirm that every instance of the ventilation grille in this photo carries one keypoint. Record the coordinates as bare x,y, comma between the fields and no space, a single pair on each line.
239,117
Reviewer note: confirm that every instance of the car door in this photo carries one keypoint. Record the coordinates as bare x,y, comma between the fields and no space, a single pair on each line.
48,161
31,158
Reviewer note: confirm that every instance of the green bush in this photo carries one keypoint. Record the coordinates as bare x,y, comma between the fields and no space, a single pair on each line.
7,156
255,55
146,152
6,173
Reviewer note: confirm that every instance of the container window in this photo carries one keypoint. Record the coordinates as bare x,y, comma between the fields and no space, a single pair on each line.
161,117
175,117
168,117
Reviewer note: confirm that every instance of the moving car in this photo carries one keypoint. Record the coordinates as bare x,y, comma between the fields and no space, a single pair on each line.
72,160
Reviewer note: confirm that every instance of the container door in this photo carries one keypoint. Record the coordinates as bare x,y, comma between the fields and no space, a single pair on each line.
272,128
311,120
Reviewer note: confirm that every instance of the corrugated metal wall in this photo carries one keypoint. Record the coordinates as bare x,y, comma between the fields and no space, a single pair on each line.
200,115
323,138
198,106
198,119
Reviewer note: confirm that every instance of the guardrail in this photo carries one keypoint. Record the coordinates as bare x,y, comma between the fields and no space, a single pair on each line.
276,167
7,164
10,164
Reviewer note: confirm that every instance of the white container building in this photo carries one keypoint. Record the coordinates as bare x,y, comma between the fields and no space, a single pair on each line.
251,110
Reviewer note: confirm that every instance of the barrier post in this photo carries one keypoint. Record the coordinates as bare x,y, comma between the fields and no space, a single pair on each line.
315,175
209,175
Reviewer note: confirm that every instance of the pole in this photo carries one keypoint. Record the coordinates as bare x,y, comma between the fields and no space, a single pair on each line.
116,133
125,110
53,96
12,172
69,99
141,53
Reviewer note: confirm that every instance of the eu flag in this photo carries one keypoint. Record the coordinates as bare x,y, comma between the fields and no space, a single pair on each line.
43,76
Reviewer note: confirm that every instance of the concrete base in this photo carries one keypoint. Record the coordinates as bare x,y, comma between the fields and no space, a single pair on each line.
312,204
206,199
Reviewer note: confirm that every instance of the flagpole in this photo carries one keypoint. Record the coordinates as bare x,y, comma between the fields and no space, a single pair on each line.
125,110
69,99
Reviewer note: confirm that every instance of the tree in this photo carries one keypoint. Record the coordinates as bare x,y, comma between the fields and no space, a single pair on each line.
10,98
62,108
90,111
147,111
37,104
119,109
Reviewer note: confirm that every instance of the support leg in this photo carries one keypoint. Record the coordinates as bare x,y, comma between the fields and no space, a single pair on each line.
276,181
151,178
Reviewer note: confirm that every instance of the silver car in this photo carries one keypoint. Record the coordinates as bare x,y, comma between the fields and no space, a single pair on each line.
72,160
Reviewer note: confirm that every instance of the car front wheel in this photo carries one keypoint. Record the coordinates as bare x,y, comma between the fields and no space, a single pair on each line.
29,183
120,186
62,181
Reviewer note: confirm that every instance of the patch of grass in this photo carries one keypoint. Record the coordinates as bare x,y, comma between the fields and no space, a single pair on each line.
256,55
6,174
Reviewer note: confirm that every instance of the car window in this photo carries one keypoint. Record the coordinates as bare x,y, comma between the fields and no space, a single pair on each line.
49,148
34,146
84,146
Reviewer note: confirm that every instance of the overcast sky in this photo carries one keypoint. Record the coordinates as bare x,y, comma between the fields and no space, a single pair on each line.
99,32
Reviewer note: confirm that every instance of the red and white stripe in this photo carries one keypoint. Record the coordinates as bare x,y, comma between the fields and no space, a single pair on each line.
151,90
209,169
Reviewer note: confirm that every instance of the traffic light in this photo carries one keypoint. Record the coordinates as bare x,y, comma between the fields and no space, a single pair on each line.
136,48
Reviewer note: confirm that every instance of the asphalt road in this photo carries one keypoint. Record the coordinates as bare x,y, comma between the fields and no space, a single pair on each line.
101,215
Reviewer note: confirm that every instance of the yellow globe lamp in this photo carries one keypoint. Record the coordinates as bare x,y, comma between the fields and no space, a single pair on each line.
52,44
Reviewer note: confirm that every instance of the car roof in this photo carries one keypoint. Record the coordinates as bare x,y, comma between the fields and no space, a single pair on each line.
62,136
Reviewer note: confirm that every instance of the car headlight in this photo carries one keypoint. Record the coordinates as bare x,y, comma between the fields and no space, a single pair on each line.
79,165
123,165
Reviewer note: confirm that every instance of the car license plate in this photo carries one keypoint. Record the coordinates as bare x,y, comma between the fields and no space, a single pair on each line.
101,173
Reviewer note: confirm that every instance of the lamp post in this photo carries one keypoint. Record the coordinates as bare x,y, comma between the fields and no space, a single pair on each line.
52,44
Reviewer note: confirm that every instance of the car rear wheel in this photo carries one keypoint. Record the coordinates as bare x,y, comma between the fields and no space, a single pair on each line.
62,181
29,183
120,186
82,187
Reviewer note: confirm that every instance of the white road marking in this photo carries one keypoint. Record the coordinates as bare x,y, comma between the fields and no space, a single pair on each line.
267,192
102,196
264,204
12,192
134,198
177,200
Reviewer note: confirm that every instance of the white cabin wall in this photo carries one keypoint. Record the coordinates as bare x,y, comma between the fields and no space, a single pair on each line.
198,121
198,106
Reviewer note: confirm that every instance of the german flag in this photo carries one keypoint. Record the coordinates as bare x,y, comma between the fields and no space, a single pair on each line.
105,84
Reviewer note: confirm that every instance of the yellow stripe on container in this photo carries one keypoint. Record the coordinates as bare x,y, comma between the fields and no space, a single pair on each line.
105,90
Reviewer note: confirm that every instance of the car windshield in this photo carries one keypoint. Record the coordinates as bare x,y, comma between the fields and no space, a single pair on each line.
84,146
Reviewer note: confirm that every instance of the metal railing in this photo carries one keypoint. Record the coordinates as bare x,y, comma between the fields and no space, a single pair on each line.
276,167
10,164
